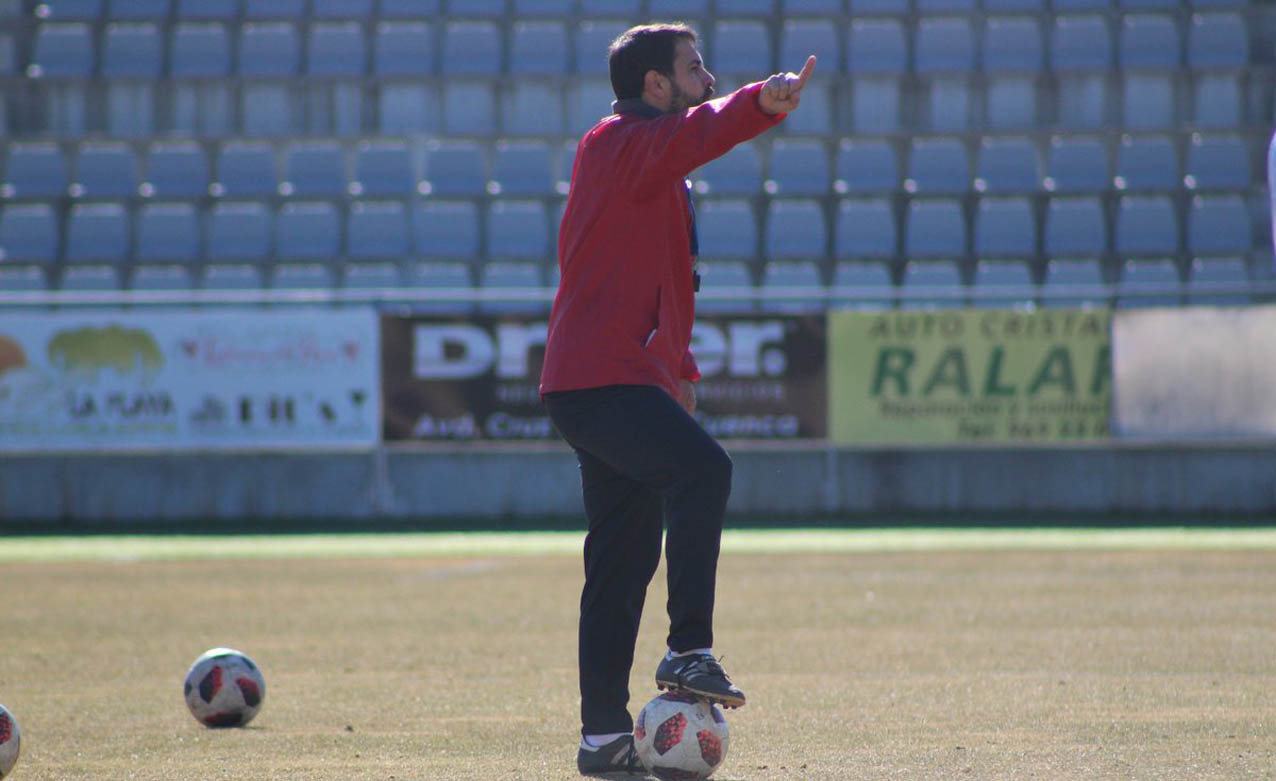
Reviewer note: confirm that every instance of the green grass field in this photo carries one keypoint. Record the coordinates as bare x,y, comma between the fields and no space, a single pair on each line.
1124,654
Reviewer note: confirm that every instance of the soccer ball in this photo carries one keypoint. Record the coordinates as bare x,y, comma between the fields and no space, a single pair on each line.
10,741
678,735
224,688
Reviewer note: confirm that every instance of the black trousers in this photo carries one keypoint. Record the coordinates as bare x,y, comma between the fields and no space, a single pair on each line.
644,463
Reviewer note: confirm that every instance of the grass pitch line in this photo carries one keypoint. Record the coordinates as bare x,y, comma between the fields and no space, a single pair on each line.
751,541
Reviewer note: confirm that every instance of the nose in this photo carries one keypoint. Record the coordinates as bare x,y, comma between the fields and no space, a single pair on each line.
708,78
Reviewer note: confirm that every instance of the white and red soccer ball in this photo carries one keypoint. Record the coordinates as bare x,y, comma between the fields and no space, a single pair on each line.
10,741
679,736
224,688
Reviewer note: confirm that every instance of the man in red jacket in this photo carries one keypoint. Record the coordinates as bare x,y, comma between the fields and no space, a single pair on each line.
618,372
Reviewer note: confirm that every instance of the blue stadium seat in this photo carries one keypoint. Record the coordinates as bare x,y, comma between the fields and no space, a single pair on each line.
1217,100
445,277
105,170
1169,5
516,274
403,49
341,9
1149,283
62,51
884,7
538,49
866,167
798,167
796,229
1218,225
1080,55
810,7
1075,227
1007,165
97,232
938,167
522,168
1068,6
407,107
876,46
609,7
567,161
239,231
589,100
8,63
245,170
176,170
1217,40
446,229
1005,228
554,9
932,284
945,6
944,45
377,229
308,231
314,169
222,10
1077,164
274,9
533,108
301,276
747,7
161,278
199,51
1146,163
1149,41
34,170
740,47
371,276
1149,47
232,276
336,50
865,229
518,229
935,228
471,48
90,279
1217,163
62,10
1146,225
384,169
677,9
1001,6
469,108
408,9
269,50
738,172
716,277
1003,284
455,168
727,230
796,278
131,51
862,286
591,41
167,232
800,38
28,233
1012,58
1218,282
1070,284
817,115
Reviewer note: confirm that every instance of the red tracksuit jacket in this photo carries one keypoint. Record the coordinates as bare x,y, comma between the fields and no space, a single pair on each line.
625,303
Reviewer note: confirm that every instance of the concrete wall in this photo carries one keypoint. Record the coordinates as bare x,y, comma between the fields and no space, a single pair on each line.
488,485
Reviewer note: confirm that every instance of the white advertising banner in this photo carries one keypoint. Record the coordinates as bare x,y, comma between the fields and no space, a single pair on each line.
1195,373
112,380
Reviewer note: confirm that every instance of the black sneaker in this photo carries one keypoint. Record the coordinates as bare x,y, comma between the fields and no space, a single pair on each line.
701,675
617,759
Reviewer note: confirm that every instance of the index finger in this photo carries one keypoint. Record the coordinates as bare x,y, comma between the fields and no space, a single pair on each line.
806,71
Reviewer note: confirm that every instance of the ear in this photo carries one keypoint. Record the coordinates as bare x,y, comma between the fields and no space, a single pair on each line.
655,83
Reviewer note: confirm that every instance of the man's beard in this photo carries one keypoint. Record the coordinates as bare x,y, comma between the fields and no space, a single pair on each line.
680,101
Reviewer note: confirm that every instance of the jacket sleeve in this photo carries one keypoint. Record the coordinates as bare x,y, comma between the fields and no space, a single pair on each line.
675,145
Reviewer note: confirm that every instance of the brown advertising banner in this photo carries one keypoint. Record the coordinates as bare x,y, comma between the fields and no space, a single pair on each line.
476,379
966,376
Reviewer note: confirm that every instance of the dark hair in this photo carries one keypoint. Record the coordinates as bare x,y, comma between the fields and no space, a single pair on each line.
646,47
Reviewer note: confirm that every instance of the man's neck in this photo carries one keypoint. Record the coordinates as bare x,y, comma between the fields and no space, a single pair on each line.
636,106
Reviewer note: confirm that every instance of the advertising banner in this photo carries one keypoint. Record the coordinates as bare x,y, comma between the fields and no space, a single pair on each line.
106,380
967,376
445,379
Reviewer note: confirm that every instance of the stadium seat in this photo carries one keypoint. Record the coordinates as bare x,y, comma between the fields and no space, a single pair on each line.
798,167
1217,163
1077,164
515,275
1007,166
314,169
455,168
377,229
533,108
8,61
239,231
810,7
945,6
588,101
1012,58
445,277
161,278
245,169
1217,100
876,46
866,167
795,229
469,108
28,234
199,61
1149,283
748,7
591,41
932,284
865,229
471,48
1071,284
727,229
222,10
23,279
371,276
407,9
862,286
97,232
794,278
1149,41
176,170
1005,228
341,9
1075,228
446,229
738,172
90,279
308,231
105,170
1146,164
538,49
938,167
232,276
63,10
882,7
384,169
269,50
716,277
1080,56
403,49
62,51
275,9
1145,225
522,168
131,51
1218,282
518,229
301,276
935,228
34,170
167,232
1218,225
817,115
740,48
800,38
1217,40
1067,6
609,7
336,50
552,8
406,107
1003,284
1001,6
944,45
199,51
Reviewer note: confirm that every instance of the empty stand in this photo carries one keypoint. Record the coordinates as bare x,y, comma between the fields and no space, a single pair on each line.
446,229
98,232
522,168
176,170
866,167
378,230
932,284
105,170
798,167
539,49
792,286
738,172
1218,282
1003,284
1146,164
384,169
161,278
34,170
167,232
447,279
307,231
1146,225
865,229
1012,57
516,278
1218,225
1149,283
518,229
795,229
1075,227
938,167
862,285
28,233
239,231
245,170
718,276
314,169
1071,284
1005,228
727,229
1217,163
455,168
1007,165
1080,56
1077,164
935,228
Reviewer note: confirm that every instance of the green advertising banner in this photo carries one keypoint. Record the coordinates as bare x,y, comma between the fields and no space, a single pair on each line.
969,376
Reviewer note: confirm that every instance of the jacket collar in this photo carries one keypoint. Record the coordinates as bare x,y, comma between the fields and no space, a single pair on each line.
636,106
